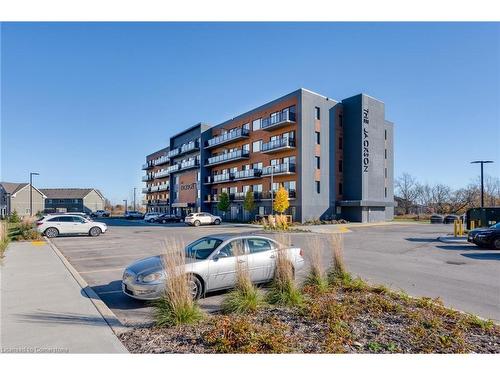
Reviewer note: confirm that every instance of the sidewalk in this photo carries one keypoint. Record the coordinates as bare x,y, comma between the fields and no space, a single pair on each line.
452,239
43,308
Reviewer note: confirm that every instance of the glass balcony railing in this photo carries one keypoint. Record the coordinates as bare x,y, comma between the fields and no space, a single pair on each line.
147,177
173,168
163,173
229,156
146,190
249,173
280,119
278,144
173,152
228,137
188,147
161,160
284,168
163,187
189,164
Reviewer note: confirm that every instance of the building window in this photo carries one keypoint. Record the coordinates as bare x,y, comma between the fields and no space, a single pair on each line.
340,188
385,172
341,165
385,134
49,201
316,113
246,126
385,192
341,121
318,187
318,162
256,124
341,143
318,137
256,146
385,153
246,147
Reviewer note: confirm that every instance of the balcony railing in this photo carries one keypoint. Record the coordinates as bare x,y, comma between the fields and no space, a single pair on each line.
173,168
188,147
227,157
148,177
228,137
173,152
156,202
189,164
163,173
146,190
285,168
266,195
161,160
279,144
211,198
163,187
278,120
147,165
247,174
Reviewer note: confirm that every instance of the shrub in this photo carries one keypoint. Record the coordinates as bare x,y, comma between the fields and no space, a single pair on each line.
14,217
245,297
281,202
283,289
338,272
177,305
224,202
4,238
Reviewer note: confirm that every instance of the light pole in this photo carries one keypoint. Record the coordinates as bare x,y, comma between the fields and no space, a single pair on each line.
482,162
126,208
134,197
31,191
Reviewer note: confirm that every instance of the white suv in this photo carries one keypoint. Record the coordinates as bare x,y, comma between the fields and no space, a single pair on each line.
54,225
199,218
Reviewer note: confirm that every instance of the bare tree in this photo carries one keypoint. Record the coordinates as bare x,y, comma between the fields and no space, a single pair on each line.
440,197
407,190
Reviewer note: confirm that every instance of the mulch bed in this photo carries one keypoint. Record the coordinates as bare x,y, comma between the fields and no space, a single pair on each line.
356,319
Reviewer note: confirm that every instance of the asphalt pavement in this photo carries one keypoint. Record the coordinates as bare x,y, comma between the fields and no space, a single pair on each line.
403,256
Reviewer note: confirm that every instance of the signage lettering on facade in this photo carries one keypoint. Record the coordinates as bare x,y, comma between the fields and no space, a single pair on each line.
366,140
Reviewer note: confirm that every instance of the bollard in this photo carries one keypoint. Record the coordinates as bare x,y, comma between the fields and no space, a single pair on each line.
472,224
460,228
455,228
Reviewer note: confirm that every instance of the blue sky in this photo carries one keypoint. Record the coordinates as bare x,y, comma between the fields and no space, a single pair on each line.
83,103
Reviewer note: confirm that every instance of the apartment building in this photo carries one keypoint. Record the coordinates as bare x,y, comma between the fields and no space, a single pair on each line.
335,159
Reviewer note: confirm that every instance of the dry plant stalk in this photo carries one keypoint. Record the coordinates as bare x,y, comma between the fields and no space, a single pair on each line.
337,244
177,280
3,231
243,280
284,272
315,258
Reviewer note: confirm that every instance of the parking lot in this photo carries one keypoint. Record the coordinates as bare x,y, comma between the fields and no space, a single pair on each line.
401,256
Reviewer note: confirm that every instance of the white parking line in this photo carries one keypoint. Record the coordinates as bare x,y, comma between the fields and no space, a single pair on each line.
103,270
112,256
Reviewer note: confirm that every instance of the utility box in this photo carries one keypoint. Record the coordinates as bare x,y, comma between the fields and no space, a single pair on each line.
483,217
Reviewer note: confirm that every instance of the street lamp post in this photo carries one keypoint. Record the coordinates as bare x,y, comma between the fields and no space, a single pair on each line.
482,162
31,191
126,208
134,197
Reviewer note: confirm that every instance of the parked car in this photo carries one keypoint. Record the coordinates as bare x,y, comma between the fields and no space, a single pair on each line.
437,219
486,237
82,214
211,263
133,215
100,213
55,225
199,218
150,216
167,218
450,219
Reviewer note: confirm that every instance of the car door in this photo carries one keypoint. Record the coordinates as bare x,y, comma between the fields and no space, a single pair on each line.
66,225
222,267
261,258
80,225
204,218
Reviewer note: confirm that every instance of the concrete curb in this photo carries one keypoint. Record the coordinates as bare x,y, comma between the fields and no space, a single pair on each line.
449,239
110,318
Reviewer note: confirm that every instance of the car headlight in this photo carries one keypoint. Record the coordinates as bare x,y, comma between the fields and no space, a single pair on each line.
152,277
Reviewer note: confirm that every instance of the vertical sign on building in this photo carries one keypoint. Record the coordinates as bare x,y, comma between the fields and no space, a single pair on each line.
366,140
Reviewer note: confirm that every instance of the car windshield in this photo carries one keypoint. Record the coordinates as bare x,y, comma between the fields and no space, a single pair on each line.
202,248
495,226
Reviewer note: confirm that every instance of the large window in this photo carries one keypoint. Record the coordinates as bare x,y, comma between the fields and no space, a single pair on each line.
256,146
256,124
316,113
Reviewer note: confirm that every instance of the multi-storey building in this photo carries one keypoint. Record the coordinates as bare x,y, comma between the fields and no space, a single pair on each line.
335,159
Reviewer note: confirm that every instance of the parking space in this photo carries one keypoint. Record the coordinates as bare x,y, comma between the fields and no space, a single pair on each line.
405,257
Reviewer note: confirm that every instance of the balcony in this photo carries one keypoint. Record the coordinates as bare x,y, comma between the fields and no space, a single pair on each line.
280,144
173,168
189,147
218,178
148,177
147,166
231,136
285,168
163,173
279,120
154,188
248,174
227,157
157,202
211,198
266,195
161,160
173,153
146,190
188,164
163,187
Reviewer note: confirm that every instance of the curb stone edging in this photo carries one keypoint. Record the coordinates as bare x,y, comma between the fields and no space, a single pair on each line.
109,317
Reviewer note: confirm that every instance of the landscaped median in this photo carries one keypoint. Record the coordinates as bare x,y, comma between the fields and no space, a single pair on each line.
15,229
332,312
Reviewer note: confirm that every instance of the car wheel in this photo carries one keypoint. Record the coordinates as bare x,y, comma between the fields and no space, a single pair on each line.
496,243
164,221
195,287
216,221
95,231
196,223
51,232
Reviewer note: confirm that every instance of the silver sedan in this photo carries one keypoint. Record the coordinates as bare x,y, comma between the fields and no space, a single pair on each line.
211,263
